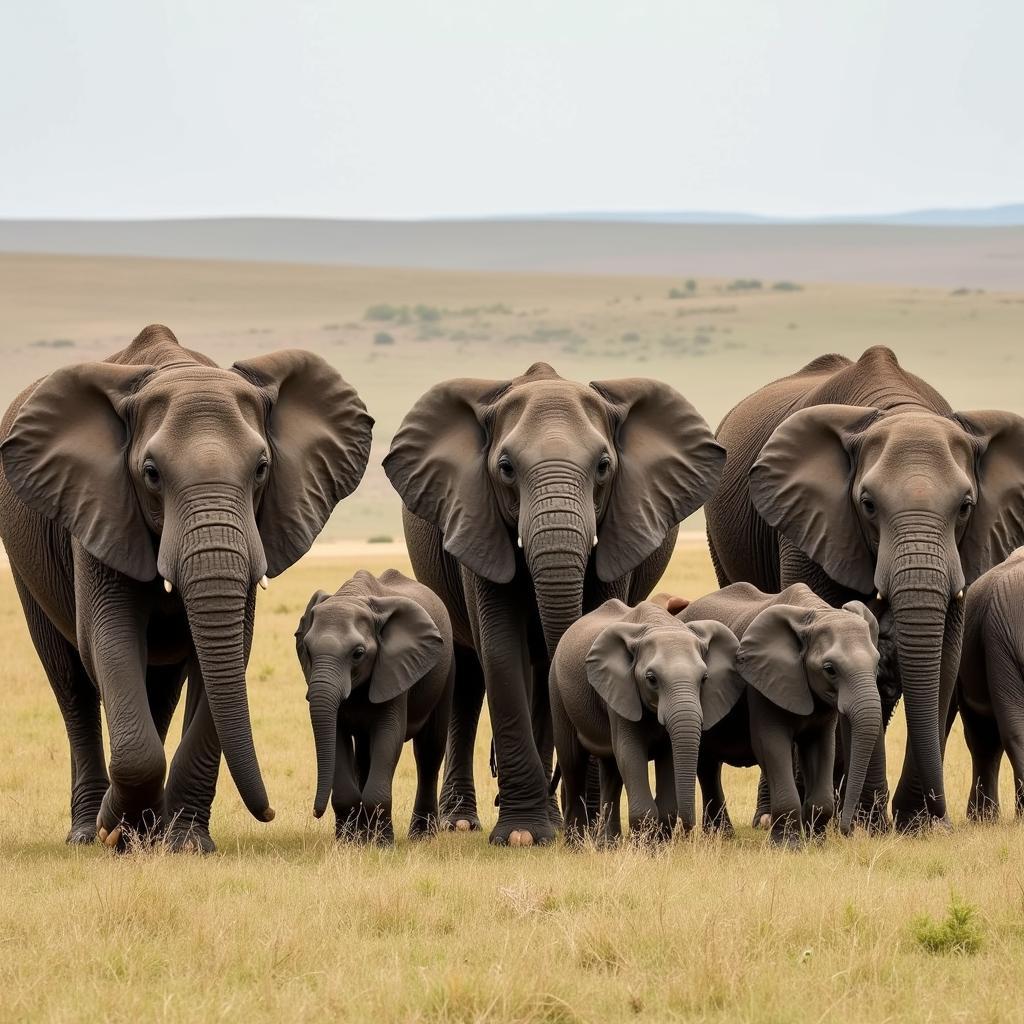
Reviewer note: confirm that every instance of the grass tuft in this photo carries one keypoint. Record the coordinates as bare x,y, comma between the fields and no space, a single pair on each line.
958,934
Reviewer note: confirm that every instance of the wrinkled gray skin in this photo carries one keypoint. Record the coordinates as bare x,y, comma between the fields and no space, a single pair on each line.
507,486
631,685
377,659
857,478
804,661
155,466
990,687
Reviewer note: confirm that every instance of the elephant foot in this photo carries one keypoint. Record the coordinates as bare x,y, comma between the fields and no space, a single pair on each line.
458,813
82,834
376,827
523,831
762,820
193,839
788,840
424,826
123,832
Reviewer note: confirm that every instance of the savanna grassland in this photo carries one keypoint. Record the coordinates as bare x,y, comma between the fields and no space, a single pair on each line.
282,924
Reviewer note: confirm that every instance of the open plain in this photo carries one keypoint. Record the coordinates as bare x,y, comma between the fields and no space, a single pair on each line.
282,924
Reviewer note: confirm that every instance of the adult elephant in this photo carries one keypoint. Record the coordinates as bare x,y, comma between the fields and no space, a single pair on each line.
858,479
141,500
528,502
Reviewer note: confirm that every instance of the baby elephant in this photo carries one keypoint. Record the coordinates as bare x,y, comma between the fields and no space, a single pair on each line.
804,661
990,688
377,657
629,685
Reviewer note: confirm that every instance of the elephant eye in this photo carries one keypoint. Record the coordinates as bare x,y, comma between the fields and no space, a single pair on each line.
604,465
652,679
867,504
358,652
151,474
262,469
829,669
966,505
506,469
703,679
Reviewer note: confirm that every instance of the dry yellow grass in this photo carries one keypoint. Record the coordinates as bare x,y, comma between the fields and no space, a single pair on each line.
281,924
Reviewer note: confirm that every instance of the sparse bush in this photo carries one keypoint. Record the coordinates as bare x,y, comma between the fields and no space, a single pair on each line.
383,338
630,336
427,314
959,934
383,311
53,343
380,538
960,291
787,286
743,284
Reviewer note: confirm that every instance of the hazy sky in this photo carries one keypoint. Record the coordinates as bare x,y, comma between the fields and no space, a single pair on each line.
385,108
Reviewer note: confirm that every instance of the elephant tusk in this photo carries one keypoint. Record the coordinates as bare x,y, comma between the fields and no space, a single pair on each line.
519,541
594,545
878,595
263,582
960,595
167,586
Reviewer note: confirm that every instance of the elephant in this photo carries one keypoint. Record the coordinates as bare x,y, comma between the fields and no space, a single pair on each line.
629,685
990,685
377,659
527,502
803,662
141,501
858,479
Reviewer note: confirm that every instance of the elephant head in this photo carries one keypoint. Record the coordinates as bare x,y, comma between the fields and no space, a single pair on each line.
684,673
793,655
909,503
209,478
557,467
383,643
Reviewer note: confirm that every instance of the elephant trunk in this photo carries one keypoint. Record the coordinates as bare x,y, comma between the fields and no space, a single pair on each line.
862,706
329,685
214,574
557,525
920,584
684,721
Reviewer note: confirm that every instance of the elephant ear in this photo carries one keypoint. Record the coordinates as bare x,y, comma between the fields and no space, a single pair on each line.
609,665
801,483
438,465
303,628
409,646
771,657
66,458
669,464
724,685
996,526
319,434
861,609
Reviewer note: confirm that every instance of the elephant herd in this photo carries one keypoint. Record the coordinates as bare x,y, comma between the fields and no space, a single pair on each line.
862,532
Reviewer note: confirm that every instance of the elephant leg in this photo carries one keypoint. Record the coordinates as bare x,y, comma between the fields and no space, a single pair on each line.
1005,686
387,737
79,703
716,813
192,780
543,735
763,809
346,792
774,749
362,762
458,791
428,749
816,754
499,629
983,741
572,760
632,761
611,800
592,796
